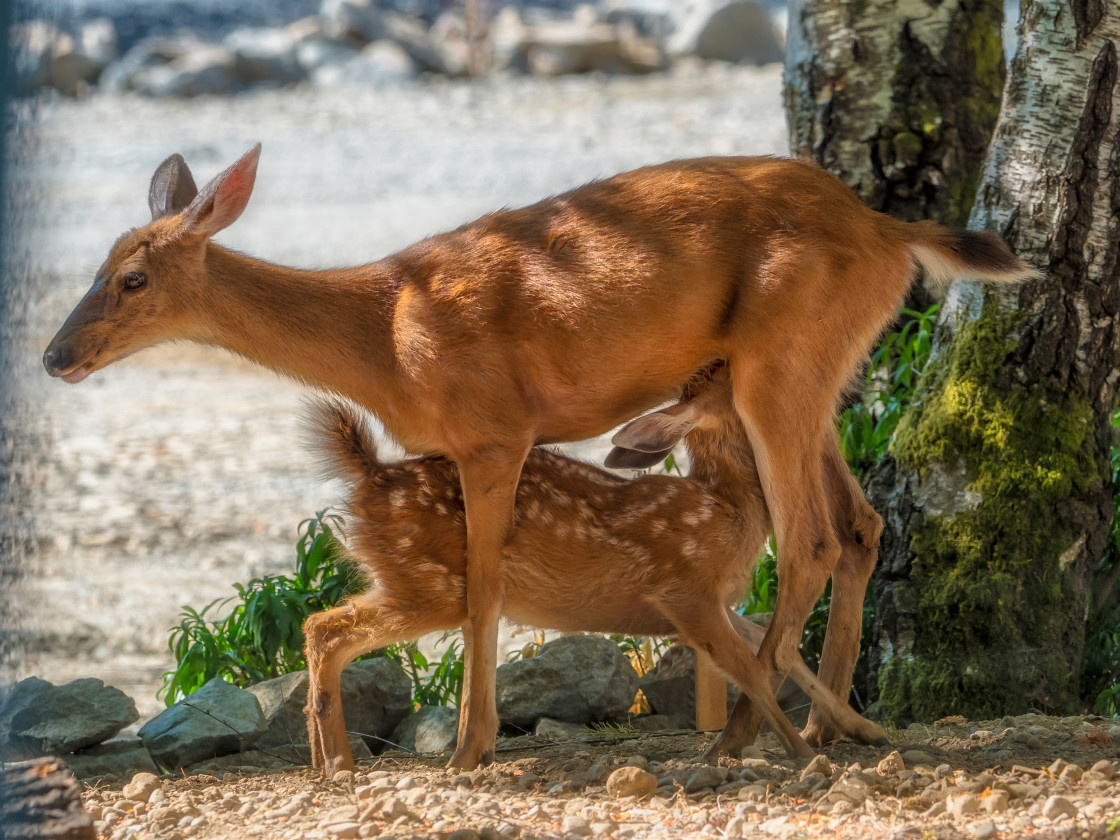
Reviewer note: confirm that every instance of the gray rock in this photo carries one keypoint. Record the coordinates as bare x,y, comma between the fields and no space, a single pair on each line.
557,730
428,730
218,719
263,54
1057,806
356,20
670,688
124,74
448,36
123,759
738,31
703,776
376,696
654,723
98,41
584,45
313,53
207,69
33,44
38,718
578,679
71,69
380,63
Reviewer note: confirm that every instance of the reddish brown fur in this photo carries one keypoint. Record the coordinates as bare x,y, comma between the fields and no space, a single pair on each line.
589,552
557,322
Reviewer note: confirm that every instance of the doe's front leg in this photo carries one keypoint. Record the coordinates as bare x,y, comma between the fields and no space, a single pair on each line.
489,494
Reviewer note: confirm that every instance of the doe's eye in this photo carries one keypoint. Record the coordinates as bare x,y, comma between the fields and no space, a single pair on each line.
132,280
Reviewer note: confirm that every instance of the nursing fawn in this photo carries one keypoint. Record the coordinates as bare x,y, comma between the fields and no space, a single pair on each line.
589,551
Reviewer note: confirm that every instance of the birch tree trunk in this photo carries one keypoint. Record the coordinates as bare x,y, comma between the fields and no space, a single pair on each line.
999,483
896,97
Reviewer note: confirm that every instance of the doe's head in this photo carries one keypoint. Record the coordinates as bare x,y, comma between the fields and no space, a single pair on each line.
148,287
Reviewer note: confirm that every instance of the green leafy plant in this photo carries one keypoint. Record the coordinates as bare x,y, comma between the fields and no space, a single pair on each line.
257,633
866,427
440,685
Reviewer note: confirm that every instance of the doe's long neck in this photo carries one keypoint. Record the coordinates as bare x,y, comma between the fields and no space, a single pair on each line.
332,328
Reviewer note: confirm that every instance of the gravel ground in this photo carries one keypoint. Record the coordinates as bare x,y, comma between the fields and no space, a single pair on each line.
163,480
1029,776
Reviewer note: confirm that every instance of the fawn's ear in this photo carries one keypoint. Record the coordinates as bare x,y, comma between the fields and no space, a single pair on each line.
659,431
224,198
621,458
172,188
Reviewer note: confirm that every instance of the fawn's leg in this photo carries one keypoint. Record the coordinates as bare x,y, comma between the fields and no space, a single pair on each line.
489,482
786,422
712,632
842,717
333,638
858,528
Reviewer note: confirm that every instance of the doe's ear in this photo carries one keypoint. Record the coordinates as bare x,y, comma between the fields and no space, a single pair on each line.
223,200
659,431
620,458
172,188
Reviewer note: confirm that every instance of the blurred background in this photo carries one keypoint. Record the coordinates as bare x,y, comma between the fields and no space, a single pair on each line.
164,479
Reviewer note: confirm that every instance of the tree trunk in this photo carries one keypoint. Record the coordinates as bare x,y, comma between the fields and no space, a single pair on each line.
896,97
999,483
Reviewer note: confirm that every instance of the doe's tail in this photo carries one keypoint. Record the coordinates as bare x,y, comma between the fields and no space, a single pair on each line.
948,253
342,437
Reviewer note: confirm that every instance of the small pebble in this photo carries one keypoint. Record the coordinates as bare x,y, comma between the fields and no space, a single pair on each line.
963,805
996,802
1057,806
575,824
890,765
985,830
818,764
631,781
1105,767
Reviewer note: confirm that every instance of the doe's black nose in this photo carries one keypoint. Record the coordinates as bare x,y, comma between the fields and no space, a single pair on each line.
56,359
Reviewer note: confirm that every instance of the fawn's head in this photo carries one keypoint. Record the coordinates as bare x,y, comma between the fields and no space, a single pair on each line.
146,288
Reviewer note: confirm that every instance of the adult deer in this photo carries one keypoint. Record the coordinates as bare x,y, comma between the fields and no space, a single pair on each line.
588,551
556,322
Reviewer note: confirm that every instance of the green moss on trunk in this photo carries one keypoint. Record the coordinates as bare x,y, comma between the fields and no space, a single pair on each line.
993,632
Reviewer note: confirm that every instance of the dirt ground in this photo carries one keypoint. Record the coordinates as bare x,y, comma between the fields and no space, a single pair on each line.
1030,776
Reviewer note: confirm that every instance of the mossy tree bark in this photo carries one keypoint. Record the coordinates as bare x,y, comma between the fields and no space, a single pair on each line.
897,97
999,488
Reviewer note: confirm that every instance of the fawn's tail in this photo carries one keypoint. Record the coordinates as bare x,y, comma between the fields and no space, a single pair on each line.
948,253
343,438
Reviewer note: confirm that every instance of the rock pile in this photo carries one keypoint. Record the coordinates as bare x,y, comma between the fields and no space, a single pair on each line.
257,727
573,681
370,43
